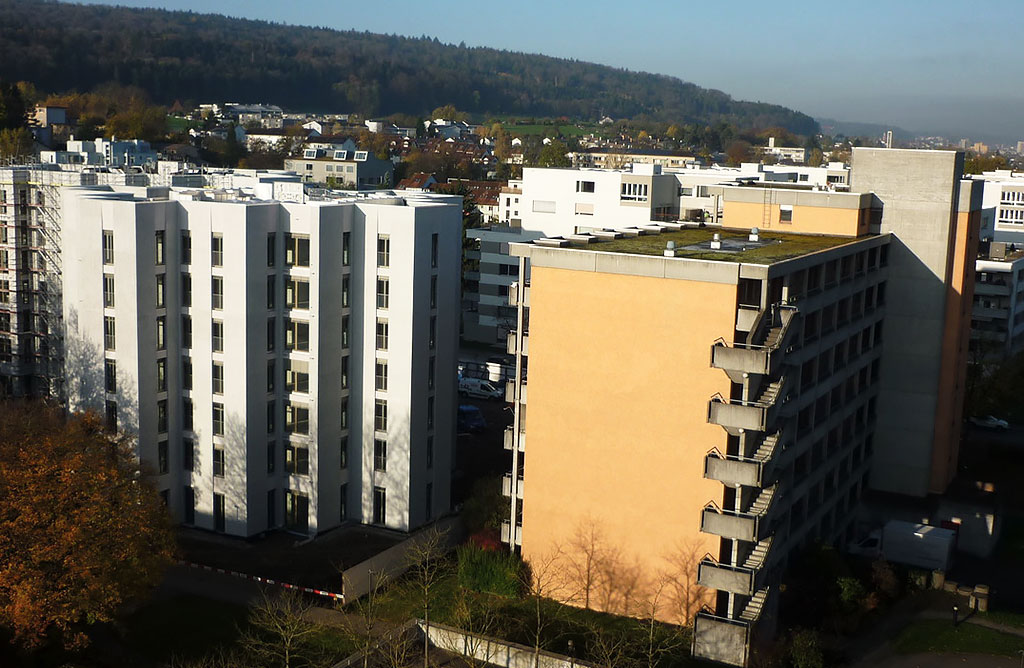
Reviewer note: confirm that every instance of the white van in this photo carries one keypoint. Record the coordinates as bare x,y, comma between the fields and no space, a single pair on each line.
476,387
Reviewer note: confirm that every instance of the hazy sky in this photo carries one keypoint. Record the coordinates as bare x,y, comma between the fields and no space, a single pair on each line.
937,65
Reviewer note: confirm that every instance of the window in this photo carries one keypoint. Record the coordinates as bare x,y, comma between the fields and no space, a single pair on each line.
430,412
296,250
108,247
346,249
186,331
110,375
433,292
382,292
296,460
345,291
271,457
217,292
381,375
432,333
161,457
186,290
343,450
159,247
383,250
161,332
161,292
344,412
271,248
382,334
188,454
217,336
161,374
271,331
431,364
433,250
111,415
296,335
217,250
344,372
584,186
161,416
296,419
633,192
218,462
380,454
343,496
108,291
344,331
429,507
296,376
186,373
271,290
296,509
296,293
380,415
379,505
186,248
218,512
271,373
218,378
430,452
218,419
785,213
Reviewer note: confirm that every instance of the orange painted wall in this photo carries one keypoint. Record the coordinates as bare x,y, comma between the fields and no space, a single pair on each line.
806,219
953,374
616,423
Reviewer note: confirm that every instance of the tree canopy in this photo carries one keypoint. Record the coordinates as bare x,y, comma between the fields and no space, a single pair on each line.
188,56
81,530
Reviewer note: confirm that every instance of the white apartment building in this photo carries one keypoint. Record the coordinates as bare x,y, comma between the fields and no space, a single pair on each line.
283,364
1004,193
103,153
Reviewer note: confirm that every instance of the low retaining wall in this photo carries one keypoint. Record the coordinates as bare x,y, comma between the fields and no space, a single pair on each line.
495,652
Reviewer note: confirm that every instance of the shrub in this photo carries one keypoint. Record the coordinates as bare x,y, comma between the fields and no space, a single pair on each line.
489,571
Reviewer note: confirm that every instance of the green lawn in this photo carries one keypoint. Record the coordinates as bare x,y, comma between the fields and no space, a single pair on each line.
937,636
547,130
178,124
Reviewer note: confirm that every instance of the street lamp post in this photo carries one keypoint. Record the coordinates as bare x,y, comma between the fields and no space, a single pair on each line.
956,615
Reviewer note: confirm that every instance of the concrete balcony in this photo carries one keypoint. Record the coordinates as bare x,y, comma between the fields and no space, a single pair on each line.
506,532
992,289
750,525
510,392
510,439
740,359
514,292
991,313
506,486
721,639
751,471
723,577
736,415
510,344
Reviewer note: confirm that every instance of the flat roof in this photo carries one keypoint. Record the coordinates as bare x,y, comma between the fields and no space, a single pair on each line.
695,244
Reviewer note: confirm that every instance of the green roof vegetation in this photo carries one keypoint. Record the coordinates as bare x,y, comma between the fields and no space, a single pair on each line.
780,246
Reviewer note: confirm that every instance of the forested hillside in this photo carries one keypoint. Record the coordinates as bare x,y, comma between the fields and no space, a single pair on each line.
198,57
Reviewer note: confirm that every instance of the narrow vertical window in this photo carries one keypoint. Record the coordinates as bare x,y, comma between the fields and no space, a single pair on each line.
186,290
110,375
383,292
159,247
271,290
271,248
108,291
186,331
217,292
161,374
217,250
381,375
218,378
186,248
108,247
433,250
218,419
161,332
346,249
161,292
383,250
217,336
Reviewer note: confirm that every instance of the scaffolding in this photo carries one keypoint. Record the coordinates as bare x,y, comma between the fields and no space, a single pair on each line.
31,329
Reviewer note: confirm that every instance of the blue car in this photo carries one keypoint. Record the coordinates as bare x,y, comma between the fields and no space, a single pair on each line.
470,419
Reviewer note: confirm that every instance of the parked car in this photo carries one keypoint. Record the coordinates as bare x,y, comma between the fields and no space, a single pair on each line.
470,419
989,422
479,388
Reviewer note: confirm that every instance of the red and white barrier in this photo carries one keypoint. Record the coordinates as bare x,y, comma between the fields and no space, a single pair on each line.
262,580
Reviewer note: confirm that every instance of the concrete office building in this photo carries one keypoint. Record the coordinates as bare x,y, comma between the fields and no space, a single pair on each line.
732,391
282,364
344,168
997,320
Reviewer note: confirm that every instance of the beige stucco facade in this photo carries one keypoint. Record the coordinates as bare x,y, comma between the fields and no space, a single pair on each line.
625,493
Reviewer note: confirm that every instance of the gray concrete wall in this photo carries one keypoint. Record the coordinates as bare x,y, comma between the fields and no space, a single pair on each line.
919,191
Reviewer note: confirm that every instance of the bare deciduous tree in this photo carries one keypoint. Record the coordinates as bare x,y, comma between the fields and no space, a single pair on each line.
685,595
362,624
280,631
425,559
476,616
542,577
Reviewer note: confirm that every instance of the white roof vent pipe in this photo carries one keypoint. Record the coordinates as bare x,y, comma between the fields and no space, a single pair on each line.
754,234
670,249
716,241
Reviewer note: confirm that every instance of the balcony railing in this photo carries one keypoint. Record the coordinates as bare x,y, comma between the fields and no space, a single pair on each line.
510,439
721,639
506,532
723,577
506,486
